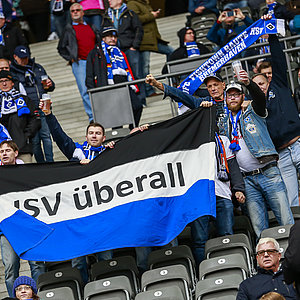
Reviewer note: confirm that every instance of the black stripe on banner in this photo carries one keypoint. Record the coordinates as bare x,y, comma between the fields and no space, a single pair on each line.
183,132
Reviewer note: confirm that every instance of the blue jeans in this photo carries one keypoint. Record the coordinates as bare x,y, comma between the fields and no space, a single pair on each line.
11,262
95,20
200,227
240,4
267,186
81,264
289,165
79,71
145,63
142,254
134,58
43,135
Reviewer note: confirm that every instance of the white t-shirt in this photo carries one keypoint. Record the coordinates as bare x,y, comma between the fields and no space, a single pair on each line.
222,189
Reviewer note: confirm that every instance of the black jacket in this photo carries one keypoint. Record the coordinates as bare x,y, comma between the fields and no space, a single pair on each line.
130,30
23,128
291,263
264,282
283,119
13,37
67,45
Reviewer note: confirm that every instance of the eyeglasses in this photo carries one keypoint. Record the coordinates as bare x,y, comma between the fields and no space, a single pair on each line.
233,95
269,251
76,10
5,80
21,288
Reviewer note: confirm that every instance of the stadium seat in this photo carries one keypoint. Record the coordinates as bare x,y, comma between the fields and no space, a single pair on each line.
223,287
180,255
224,265
62,293
166,293
230,244
280,234
65,277
117,287
119,266
242,224
175,275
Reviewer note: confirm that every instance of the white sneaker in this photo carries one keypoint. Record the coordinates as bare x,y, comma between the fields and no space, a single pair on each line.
53,36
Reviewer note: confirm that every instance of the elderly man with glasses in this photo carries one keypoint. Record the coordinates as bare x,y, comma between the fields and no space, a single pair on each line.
269,275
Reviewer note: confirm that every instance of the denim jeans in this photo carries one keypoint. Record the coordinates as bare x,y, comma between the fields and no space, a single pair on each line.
239,4
79,71
11,262
81,264
142,254
43,135
289,165
145,63
267,186
200,227
95,20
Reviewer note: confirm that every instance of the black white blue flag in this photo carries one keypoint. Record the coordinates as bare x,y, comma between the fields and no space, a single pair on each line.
141,193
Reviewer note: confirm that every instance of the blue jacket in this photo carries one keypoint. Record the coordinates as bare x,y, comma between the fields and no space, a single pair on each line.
264,282
34,88
283,119
208,4
217,33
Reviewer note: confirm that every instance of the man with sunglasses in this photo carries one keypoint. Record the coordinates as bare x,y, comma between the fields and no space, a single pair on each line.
269,275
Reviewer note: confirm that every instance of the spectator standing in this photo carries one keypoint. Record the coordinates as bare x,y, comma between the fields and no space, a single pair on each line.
297,92
269,276
11,36
227,27
282,119
10,259
30,73
77,41
18,115
152,40
25,288
278,11
106,64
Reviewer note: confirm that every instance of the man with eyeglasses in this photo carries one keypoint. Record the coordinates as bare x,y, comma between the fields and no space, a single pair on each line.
77,40
269,275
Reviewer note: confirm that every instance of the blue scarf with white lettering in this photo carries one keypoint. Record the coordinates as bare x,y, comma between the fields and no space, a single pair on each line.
13,102
271,9
230,50
192,49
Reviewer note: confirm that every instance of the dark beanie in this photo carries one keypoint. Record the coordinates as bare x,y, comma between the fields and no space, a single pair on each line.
24,280
5,74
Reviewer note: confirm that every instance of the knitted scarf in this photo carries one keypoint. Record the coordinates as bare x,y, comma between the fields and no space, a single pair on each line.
87,151
12,102
271,9
234,146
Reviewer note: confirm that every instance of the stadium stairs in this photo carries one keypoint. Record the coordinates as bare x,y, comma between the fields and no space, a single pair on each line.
67,103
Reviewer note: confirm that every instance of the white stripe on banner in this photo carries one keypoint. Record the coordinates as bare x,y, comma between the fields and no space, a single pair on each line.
134,181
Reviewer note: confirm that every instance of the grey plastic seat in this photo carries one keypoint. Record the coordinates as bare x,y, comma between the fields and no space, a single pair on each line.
174,256
64,277
117,287
230,244
175,275
62,293
166,293
119,266
223,287
224,265
280,234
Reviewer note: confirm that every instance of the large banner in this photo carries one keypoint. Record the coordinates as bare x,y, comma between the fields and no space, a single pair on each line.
230,50
141,193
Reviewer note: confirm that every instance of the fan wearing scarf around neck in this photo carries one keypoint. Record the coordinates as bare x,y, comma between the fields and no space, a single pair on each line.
17,114
255,152
107,64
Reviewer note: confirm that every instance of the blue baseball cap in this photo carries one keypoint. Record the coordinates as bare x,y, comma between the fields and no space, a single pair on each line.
22,51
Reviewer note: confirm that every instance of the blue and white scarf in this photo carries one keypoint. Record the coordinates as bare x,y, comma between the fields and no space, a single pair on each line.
116,64
234,145
2,41
271,9
13,102
87,151
4,134
115,14
230,50
192,49
264,49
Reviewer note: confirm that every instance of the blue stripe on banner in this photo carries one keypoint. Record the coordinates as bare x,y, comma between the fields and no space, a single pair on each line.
150,222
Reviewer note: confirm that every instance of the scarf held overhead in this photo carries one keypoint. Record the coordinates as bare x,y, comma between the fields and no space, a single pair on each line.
230,50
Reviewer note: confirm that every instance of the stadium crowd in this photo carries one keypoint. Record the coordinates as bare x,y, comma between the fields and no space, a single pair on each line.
109,42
